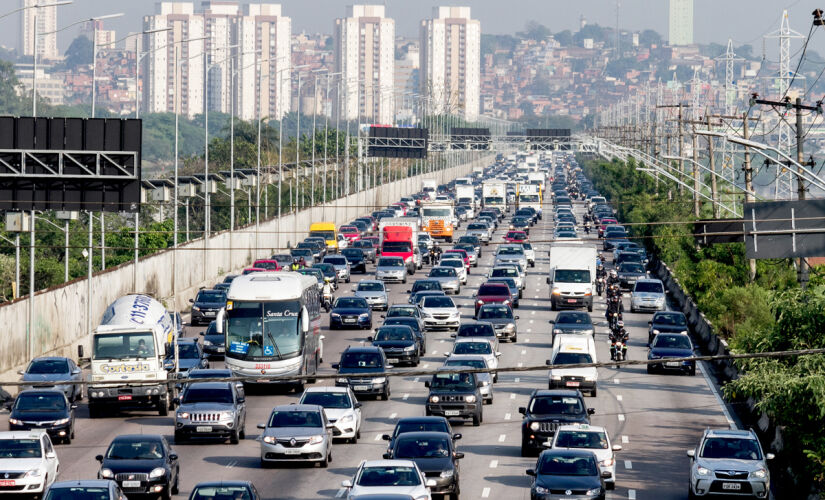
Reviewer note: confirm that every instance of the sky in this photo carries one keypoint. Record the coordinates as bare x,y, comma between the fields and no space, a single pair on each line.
745,21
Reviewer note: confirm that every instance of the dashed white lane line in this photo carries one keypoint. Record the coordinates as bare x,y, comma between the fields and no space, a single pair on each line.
628,464
426,365
340,493
442,341
485,493
502,437
378,437
435,352
621,417
516,380
616,381
393,415
512,395
618,397
536,296
531,321
533,313
625,439
415,380
507,416
631,494
404,398
527,341
493,464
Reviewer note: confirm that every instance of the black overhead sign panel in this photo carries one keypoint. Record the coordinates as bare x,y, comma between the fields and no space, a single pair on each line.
785,229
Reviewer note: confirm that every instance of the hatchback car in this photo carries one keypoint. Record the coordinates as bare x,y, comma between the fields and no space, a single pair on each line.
368,248
492,293
206,305
729,463
357,260
214,343
54,369
480,347
475,361
671,345
575,322
502,318
666,322
31,455
447,278
342,408
399,344
436,457
341,265
93,489
44,410
365,359
648,295
594,439
141,464
629,273
455,261
296,433
576,471
440,313
350,312
224,490
391,269
388,477
374,292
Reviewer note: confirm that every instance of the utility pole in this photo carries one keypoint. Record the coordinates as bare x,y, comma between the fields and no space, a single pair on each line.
696,204
680,135
714,194
746,166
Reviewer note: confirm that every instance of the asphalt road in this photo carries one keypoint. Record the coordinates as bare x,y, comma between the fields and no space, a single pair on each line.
654,417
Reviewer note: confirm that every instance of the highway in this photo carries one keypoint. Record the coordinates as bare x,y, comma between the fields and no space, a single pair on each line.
654,417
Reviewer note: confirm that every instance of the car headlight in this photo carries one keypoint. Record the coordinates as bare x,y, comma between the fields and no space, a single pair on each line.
759,474
607,462
33,473
659,300
269,439
683,332
227,415
588,332
363,316
196,308
379,380
434,399
157,472
541,490
455,314
341,380
426,314
590,379
510,327
556,291
534,426
61,421
555,377
346,418
106,473
14,421
207,342
317,439
556,331
335,315
446,473
183,414
702,471
594,491
470,399
655,332
409,348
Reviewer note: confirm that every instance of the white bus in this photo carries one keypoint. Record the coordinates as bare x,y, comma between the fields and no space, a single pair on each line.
272,324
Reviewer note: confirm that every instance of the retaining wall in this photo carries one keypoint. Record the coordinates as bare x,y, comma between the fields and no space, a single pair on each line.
60,313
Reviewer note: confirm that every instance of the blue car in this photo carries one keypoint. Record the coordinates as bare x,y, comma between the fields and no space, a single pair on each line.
350,312
671,345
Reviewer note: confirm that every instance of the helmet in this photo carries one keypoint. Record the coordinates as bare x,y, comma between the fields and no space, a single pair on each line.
620,324
613,273
295,260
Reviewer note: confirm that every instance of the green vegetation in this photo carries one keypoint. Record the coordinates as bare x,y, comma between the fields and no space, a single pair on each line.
769,314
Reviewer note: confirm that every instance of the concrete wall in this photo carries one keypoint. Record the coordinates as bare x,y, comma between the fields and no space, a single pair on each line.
60,313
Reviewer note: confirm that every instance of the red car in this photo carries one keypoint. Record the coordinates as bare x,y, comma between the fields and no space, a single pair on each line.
607,221
492,293
266,264
516,237
464,256
351,233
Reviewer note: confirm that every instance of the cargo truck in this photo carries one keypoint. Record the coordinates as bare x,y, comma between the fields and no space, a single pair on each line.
429,187
572,275
494,194
437,220
529,195
466,195
400,241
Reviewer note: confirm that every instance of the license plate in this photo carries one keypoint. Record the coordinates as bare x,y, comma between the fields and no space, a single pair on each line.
349,320
290,451
6,482
221,349
451,413
203,428
672,364
731,486
209,313
572,384
571,301
441,322
392,361
125,397
360,388
131,484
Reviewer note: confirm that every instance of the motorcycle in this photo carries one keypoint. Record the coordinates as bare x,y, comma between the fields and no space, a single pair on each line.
618,345
600,286
326,297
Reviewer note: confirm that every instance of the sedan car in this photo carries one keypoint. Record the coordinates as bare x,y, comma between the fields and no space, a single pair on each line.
492,293
515,237
97,489
388,477
368,247
666,322
329,272
32,454
44,410
224,490
629,273
303,253
454,261
671,345
456,361
342,408
729,463
417,326
480,347
447,277
567,470
502,318
530,253
341,265
575,322
141,464
510,254
374,292
648,295
350,312
205,306
520,223
189,356
54,369
296,433
391,269
514,289
417,297
214,343
440,313
594,439
472,240
509,272
399,343
357,260
436,457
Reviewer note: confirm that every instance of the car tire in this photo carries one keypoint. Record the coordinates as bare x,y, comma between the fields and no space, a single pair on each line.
179,438
525,450
404,280
632,309
166,494
533,264
649,369
590,307
476,420
234,438
520,293
691,495
163,408
242,433
514,339
325,462
692,371
515,306
593,392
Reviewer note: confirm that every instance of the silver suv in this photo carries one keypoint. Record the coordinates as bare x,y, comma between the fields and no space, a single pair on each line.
211,409
729,462
297,433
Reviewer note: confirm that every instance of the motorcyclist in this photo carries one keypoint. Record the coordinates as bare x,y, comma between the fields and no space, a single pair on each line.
302,263
326,293
435,254
295,265
618,335
612,278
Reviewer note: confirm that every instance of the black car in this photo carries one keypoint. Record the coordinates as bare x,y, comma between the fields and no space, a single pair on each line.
546,411
190,355
455,395
357,260
475,241
425,285
629,272
214,343
350,312
368,248
399,344
560,473
419,424
666,322
435,455
576,322
319,247
225,490
671,345
205,306
613,235
520,224
528,212
329,272
84,489
44,409
367,359
141,464
415,324
628,256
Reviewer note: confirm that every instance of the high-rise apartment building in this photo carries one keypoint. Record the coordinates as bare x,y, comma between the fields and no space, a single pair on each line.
451,61
680,22
38,20
365,57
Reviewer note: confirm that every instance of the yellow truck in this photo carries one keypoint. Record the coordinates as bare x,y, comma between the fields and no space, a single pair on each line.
438,220
327,231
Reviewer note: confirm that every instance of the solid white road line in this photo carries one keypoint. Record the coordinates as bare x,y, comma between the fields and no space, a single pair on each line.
520,365
618,397
378,437
502,437
523,351
516,380
631,494
415,380
426,365
719,400
405,397
616,381
527,341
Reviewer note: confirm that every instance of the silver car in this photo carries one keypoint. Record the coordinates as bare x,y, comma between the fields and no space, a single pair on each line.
474,361
296,433
57,370
391,269
211,409
341,265
508,272
448,277
530,253
648,295
458,264
341,407
481,231
375,293
440,313
729,462
510,254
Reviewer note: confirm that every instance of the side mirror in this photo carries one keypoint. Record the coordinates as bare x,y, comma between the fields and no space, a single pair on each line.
458,455
606,474
650,323
386,456
358,404
427,383
549,362
498,354
385,437
408,291
369,339
691,453
547,279
456,436
617,447
176,401
261,426
80,351
330,426
21,372
173,456
446,354
531,472
452,335
334,366
383,316
522,410
591,411
346,483
191,301
552,322
479,384
73,407
202,334
769,456
99,458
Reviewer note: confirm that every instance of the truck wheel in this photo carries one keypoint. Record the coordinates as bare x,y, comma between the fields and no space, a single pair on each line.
590,307
163,409
553,306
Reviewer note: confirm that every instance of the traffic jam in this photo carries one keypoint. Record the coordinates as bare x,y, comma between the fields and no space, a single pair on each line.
287,380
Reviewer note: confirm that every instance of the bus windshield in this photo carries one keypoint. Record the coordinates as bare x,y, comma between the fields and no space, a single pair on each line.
256,330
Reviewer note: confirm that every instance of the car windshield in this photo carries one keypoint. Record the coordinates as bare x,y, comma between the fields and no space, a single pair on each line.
397,246
45,402
631,267
390,263
731,448
370,286
204,395
361,360
428,426
571,358
472,348
452,262
135,450
568,466
510,251
20,448
326,235
78,493
327,399
563,405
312,272
408,321
442,272
48,367
348,229
389,333
211,296
261,264
582,439
351,253
402,312
187,351
476,330
336,261
495,312
298,252
295,418
351,302
670,319
453,381
671,342
504,272
573,319
471,363
360,244
220,493
648,287
430,447
572,276
438,301
390,475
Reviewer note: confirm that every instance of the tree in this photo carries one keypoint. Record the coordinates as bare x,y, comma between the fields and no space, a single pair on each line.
79,53
565,38
650,37
10,103
535,31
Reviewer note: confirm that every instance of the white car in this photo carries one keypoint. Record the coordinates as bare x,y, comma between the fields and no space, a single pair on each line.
508,272
530,253
388,477
458,264
440,312
342,408
479,347
28,460
591,438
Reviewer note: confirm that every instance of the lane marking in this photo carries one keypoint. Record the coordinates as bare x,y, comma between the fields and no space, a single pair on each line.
378,437
512,395
731,422
404,398
625,439
415,379
426,365
631,494
618,397
533,313
506,416
628,464
485,493
502,437
531,321
621,417
435,352
527,341
340,493
517,380
493,464
393,415
616,381
442,341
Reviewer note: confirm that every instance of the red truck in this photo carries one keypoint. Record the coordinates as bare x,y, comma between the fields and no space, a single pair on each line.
399,241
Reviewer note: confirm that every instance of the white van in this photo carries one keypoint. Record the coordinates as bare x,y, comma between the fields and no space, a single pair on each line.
569,349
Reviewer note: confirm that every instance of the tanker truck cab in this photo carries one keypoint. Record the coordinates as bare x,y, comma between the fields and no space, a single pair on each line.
127,353
327,231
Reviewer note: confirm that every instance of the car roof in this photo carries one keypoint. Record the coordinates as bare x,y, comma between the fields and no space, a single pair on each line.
210,385
388,463
83,483
556,392
582,427
567,452
327,388
226,482
298,407
648,280
731,433
479,340
136,438
370,281
471,357
32,434
362,348
423,435
50,358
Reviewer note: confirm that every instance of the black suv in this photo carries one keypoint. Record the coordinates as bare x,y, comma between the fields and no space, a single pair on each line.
368,359
205,306
455,395
546,411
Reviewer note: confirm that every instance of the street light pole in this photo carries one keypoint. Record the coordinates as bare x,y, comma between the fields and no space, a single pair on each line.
94,54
